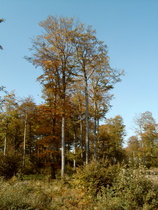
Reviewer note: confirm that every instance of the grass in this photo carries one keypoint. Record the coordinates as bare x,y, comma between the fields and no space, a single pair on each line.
36,192
34,177
41,195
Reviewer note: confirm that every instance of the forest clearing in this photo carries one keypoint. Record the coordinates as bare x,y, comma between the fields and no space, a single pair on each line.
64,153
93,187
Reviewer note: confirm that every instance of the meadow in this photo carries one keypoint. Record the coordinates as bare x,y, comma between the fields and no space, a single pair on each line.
96,186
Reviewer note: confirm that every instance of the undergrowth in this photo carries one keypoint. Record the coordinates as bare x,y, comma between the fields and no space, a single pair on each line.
96,186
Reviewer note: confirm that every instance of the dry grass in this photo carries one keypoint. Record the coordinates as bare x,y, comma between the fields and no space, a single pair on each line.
61,195
41,195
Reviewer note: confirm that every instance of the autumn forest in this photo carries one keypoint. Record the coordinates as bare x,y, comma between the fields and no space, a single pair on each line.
64,153
67,131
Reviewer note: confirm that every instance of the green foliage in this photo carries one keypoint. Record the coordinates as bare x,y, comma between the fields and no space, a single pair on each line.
110,140
144,146
119,189
131,190
23,195
132,185
9,165
30,167
41,195
94,176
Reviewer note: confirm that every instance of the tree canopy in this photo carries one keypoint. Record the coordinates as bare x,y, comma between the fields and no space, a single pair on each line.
67,129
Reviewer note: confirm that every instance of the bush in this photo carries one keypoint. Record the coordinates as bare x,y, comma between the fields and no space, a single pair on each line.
30,167
134,190
9,165
95,176
112,187
126,190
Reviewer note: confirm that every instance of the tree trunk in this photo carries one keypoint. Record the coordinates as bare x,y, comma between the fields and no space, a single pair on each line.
63,121
63,146
24,146
74,151
5,144
81,137
87,122
5,140
95,133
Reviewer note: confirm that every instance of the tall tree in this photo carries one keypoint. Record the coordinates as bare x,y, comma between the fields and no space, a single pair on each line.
133,149
146,129
92,60
69,52
27,110
101,82
8,119
111,136
53,51
79,101
85,42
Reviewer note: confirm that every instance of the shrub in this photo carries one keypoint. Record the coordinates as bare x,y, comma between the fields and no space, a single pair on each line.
128,190
9,165
30,167
95,176
135,190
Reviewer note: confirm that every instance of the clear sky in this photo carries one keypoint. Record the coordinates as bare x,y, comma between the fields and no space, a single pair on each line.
128,27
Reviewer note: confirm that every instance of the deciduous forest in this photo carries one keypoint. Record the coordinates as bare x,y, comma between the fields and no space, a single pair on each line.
63,143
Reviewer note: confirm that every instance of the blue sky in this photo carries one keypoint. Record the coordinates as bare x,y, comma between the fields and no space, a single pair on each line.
128,27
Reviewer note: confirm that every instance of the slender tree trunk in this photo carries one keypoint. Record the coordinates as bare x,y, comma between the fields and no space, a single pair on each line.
74,151
5,144
87,122
24,146
97,126
81,137
5,140
63,146
63,123
54,120
95,133
30,139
